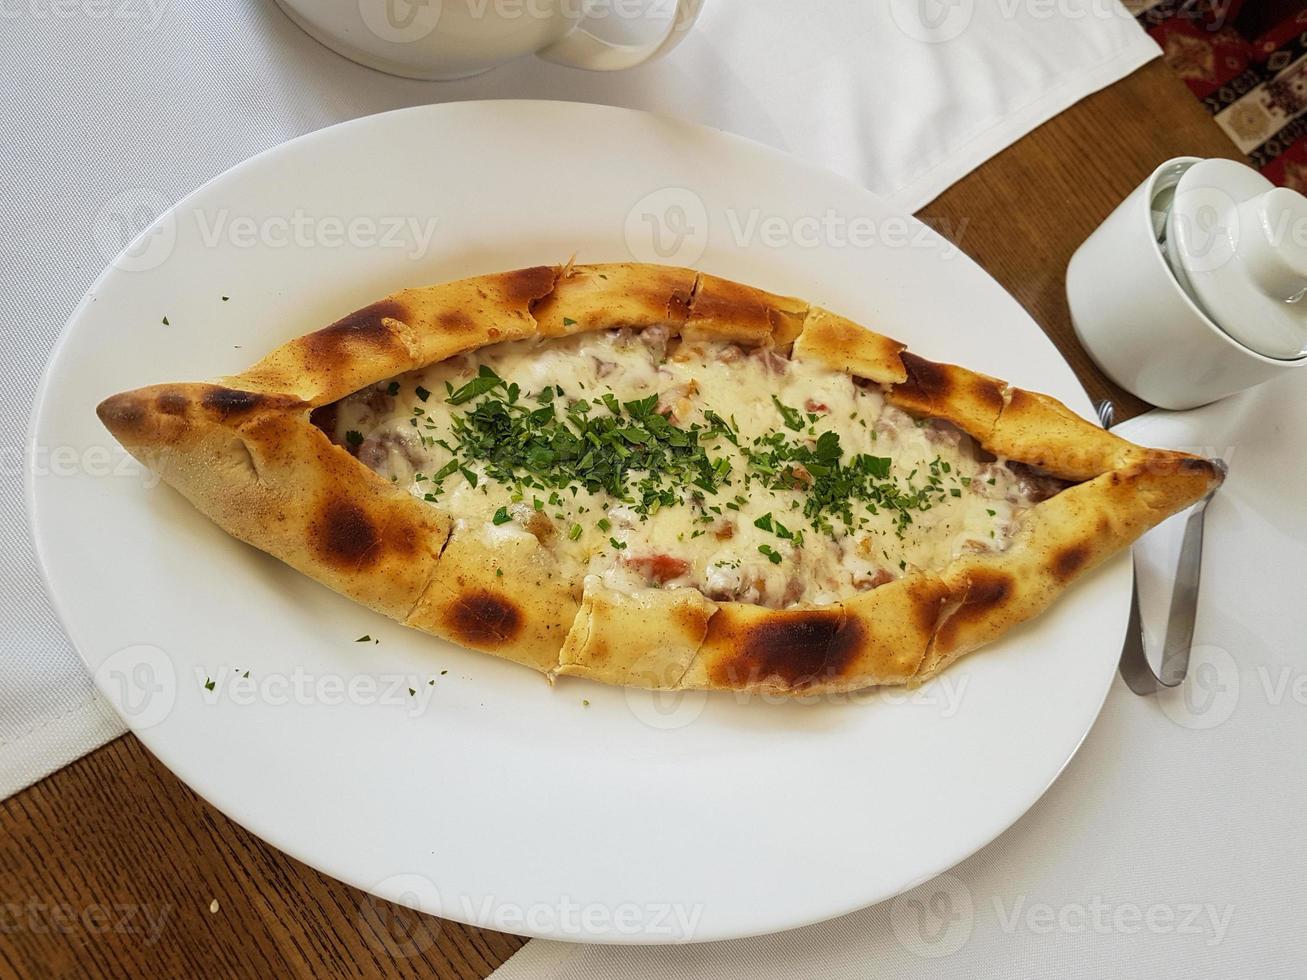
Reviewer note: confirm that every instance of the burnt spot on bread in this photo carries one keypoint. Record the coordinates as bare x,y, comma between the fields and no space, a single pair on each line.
455,321
362,329
229,403
734,303
986,591
985,392
927,380
927,601
1068,561
484,618
1194,466
526,287
795,650
171,402
347,536
931,384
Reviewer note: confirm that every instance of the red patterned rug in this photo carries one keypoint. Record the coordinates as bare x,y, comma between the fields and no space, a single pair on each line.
1247,61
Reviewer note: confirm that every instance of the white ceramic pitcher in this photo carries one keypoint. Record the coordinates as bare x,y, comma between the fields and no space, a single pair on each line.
447,39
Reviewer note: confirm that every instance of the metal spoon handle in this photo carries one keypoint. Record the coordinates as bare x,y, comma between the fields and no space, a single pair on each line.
1179,639
1135,668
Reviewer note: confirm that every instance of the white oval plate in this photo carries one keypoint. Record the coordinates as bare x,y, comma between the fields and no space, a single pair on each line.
580,812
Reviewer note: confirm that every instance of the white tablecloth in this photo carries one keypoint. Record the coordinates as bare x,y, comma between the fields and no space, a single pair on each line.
115,110
1171,845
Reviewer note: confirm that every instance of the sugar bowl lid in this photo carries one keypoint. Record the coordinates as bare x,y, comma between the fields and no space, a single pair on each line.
1238,245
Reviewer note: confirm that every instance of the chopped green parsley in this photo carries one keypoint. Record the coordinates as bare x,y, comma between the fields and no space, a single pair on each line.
542,445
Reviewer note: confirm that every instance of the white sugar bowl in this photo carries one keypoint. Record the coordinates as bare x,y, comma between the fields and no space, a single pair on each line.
1194,287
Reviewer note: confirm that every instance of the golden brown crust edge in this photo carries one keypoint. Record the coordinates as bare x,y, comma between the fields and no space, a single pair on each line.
404,331
1060,540
254,465
378,545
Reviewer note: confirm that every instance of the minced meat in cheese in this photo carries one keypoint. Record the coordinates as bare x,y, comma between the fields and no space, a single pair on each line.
656,463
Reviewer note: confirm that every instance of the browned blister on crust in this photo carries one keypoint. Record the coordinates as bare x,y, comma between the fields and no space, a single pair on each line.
253,464
505,595
647,640
369,344
1057,542
596,297
838,344
464,316
408,330
750,648
970,400
246,453
877,637
724,310
897,622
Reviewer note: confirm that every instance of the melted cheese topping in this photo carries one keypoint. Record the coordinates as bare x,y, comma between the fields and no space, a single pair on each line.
739,542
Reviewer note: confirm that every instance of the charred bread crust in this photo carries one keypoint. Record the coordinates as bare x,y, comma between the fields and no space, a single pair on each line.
505,597
254,465
724,310
588,298
971,401
876,637
1059,540
245,451
1044,433
411,329
839,344
790,651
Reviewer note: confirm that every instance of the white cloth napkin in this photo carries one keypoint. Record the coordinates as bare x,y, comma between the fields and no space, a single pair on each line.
114,111
1171,845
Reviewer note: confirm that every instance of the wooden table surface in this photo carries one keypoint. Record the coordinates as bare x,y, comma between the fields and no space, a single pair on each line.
111,867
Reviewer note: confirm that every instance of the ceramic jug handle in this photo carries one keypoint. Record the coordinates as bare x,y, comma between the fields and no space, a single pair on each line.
582,49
